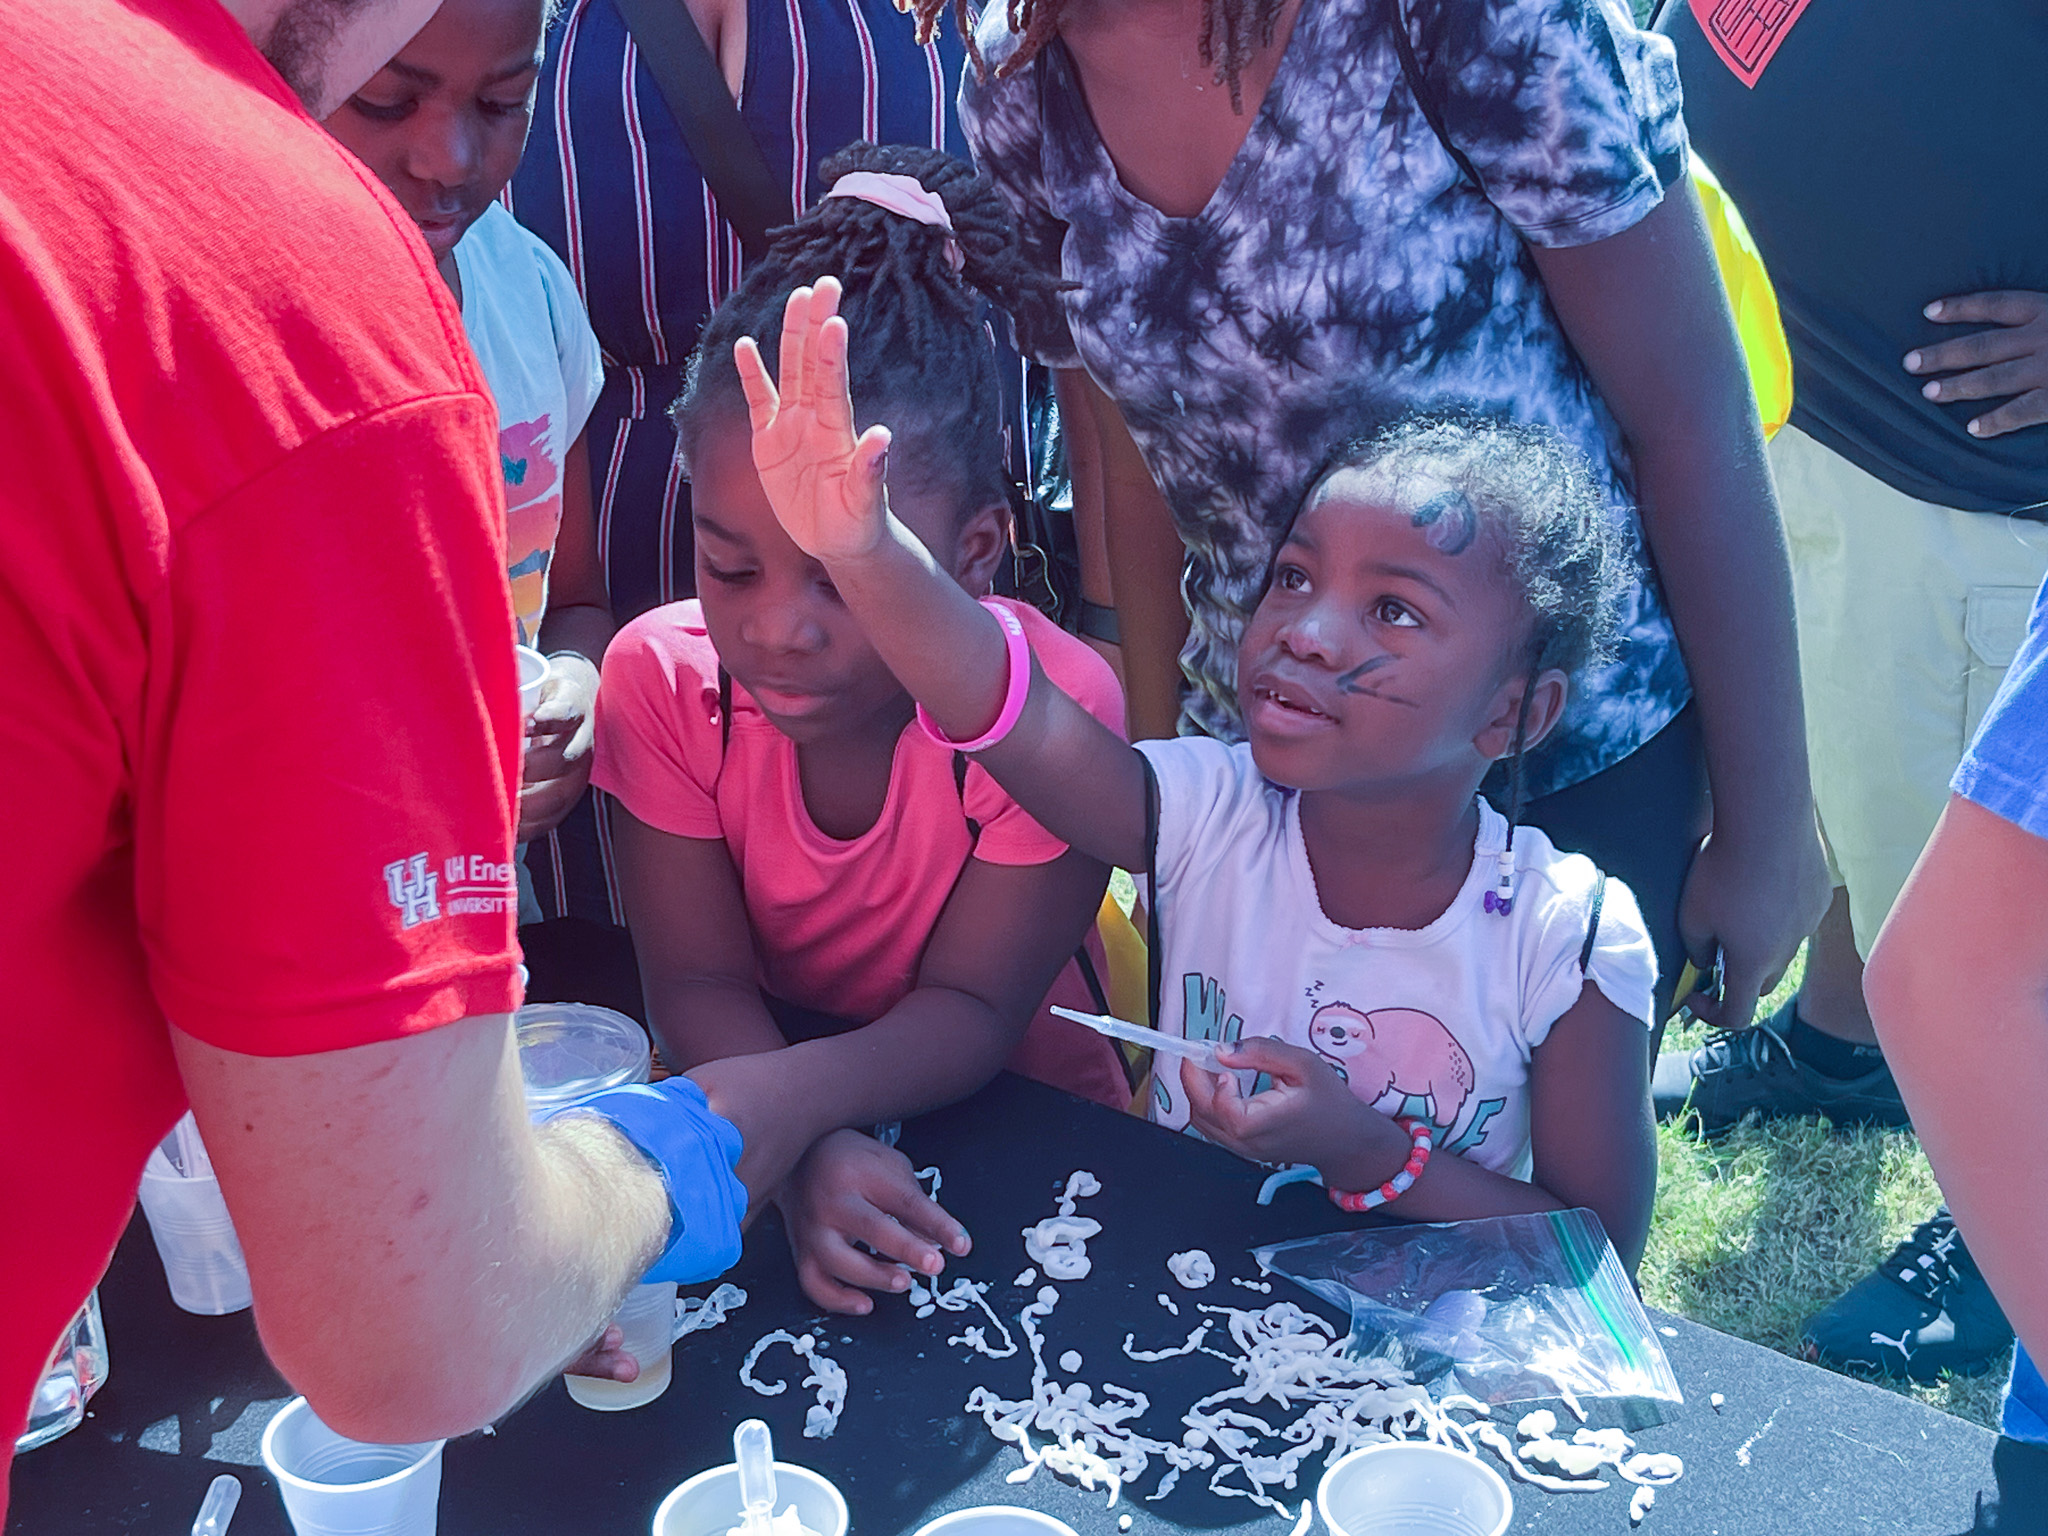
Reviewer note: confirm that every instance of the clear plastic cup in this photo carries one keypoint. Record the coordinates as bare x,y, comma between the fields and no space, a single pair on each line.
78,1366
533,676
195,1238
996,1520
1412,1489
709,1503
568,1051
648,1320
334,1486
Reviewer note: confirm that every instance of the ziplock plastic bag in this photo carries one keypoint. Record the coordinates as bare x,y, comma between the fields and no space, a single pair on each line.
1522,1311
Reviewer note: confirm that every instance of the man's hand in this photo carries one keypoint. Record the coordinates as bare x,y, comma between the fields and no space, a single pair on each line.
1754,910
556,767
825,486
855,1215
2009,359
1309,1115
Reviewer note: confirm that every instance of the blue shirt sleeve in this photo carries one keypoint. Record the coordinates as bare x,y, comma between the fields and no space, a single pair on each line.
2006,768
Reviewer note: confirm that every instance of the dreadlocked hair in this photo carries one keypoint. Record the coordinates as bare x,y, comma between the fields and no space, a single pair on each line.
1232,31
918,355
1537,495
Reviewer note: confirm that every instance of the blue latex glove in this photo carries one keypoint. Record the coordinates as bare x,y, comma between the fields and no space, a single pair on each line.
696,1151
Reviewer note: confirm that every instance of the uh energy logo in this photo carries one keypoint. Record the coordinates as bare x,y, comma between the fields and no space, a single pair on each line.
464,884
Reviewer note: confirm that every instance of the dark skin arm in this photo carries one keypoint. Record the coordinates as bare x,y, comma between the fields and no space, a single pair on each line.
1066,768
942,1042
1589,1127
577,628
1646,311
1131,554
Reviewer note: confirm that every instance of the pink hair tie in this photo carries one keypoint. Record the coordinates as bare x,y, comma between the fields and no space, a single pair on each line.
1018,690
904,196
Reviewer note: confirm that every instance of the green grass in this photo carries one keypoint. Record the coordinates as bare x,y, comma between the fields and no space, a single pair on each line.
1757,1231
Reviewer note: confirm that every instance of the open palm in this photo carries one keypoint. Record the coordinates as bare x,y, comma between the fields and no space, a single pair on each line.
824,483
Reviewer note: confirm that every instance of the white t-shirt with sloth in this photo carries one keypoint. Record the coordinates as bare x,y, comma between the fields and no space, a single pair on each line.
1438,1021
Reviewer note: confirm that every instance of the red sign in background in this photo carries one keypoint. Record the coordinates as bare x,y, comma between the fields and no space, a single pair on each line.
1747,33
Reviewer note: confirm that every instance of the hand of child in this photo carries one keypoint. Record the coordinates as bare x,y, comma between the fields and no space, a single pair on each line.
1308,1115
606,1358
851,1190
556,766
825,486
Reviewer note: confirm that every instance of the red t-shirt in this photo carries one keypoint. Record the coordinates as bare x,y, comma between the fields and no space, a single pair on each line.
253,608
839,926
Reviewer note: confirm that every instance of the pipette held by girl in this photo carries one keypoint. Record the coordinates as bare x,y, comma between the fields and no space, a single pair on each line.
1437,1010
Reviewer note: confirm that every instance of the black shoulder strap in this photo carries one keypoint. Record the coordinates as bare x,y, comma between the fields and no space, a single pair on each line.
1411,71
1153,956
749,195
1593,921
960,789
724,713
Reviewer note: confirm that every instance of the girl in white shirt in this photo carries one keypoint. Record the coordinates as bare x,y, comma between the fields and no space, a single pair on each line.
1388,961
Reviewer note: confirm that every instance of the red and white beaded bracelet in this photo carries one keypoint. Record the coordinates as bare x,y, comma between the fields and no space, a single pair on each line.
1418,1158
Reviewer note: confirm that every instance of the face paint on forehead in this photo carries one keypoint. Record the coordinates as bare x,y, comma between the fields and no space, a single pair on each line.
1448,521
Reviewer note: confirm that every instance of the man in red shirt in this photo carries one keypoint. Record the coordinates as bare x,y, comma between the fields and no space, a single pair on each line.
259,646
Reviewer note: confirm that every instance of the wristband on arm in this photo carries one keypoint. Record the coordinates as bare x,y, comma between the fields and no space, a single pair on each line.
696,1151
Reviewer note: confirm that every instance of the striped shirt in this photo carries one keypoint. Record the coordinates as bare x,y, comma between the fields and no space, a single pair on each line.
610,184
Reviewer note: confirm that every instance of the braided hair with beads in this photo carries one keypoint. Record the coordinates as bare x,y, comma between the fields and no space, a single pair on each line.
1232,31
919,355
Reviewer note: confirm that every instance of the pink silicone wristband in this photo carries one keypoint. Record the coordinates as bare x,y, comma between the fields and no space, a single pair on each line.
1018,691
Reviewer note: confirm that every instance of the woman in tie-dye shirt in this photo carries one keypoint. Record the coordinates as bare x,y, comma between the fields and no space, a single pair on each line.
1273,252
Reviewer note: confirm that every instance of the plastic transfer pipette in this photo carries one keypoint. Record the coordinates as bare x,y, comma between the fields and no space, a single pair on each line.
1201,1052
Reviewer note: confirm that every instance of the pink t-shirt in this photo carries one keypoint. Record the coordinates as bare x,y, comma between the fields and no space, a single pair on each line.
839,926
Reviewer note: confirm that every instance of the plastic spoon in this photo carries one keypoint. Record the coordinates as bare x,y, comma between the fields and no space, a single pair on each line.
754,1451
1201,1052
218,1507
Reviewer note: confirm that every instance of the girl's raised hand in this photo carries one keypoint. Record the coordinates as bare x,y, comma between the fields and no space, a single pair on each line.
824,483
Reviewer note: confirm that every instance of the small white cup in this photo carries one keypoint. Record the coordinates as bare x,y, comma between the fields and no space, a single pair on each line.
1412,1489
996,1520
533,676
334,1486
709,1503
648,1320
195,1239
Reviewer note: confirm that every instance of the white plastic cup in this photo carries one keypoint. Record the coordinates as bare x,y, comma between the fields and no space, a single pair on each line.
996,1520
195,1238
709,1503
334,1486
533,676
648,1320
568,1051
1413,1489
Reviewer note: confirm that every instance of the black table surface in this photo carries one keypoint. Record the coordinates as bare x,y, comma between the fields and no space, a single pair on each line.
1792,1449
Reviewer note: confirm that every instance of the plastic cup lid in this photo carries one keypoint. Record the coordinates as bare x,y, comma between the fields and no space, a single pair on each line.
568,1051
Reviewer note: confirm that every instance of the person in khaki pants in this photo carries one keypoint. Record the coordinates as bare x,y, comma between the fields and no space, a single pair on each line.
1909,246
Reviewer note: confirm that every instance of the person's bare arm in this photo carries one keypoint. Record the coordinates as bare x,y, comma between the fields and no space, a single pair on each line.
1061,764
1590,1122
1648,314
1131,553
1958,988
574,634
421,1256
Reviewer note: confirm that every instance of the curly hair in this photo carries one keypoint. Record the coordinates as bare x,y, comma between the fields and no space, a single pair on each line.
1232,31
1538,494
919,354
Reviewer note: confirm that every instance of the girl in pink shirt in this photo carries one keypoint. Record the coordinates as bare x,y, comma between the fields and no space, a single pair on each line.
817,888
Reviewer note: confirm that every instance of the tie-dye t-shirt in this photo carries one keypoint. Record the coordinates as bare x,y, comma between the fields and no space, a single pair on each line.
535,346
1345,274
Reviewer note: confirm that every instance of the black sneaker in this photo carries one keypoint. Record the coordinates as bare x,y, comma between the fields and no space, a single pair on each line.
1753,1070
1924,1311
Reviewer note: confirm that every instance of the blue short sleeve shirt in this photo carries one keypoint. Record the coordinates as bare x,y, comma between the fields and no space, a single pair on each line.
2006,768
